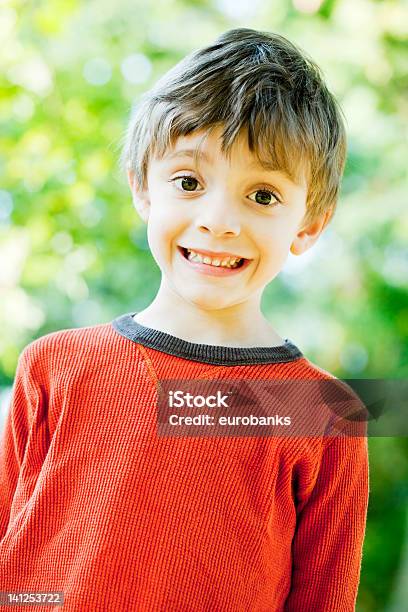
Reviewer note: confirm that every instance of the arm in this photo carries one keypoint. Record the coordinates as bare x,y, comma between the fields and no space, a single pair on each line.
327,546
25,399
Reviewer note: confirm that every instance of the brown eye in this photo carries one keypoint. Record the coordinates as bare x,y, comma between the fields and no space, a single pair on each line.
188,183
264,196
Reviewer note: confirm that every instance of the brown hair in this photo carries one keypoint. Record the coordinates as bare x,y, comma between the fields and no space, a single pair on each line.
254,81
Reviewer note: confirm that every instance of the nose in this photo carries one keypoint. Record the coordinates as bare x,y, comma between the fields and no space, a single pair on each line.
219,217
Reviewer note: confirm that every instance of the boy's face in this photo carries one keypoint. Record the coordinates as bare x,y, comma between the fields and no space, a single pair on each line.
234,207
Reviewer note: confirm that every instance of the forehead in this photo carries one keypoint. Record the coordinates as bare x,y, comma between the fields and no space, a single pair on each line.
205,148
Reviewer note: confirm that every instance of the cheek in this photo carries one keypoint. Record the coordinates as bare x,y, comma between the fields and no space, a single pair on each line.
274,242
164,230
273,249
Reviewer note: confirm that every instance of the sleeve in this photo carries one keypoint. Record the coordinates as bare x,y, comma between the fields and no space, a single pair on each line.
329,535
15,434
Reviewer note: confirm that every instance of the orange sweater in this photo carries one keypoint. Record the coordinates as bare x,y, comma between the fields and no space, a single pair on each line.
94,503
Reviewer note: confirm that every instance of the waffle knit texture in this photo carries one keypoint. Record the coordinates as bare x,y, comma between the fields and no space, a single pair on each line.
95,504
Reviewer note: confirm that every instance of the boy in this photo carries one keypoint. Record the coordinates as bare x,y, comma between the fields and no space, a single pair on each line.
234,158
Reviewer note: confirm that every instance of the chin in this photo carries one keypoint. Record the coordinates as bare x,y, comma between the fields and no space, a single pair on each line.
207,300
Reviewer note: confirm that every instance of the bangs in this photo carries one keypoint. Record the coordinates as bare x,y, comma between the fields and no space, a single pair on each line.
276,147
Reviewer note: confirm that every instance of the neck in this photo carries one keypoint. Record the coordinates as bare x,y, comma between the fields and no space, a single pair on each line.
239,325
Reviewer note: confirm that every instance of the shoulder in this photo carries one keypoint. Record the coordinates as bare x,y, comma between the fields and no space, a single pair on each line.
306,369
68,340
73,348
328,396
349,415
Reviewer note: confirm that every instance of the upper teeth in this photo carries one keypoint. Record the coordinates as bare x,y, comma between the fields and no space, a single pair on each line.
227,261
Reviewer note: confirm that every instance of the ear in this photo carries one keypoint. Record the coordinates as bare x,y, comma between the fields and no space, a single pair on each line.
308,235
140,197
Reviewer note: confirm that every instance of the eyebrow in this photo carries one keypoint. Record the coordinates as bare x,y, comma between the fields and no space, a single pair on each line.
265,165
193,153
198,154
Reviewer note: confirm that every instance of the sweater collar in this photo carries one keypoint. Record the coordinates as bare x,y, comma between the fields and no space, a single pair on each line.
127,327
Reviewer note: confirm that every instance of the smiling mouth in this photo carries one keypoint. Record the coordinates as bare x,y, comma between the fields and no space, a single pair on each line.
239,264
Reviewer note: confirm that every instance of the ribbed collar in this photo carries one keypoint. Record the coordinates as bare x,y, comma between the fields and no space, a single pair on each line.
126,326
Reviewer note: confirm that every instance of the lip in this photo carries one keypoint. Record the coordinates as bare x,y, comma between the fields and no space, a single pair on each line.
212,270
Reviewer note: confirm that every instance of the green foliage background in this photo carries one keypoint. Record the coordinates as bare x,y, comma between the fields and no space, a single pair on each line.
74,253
